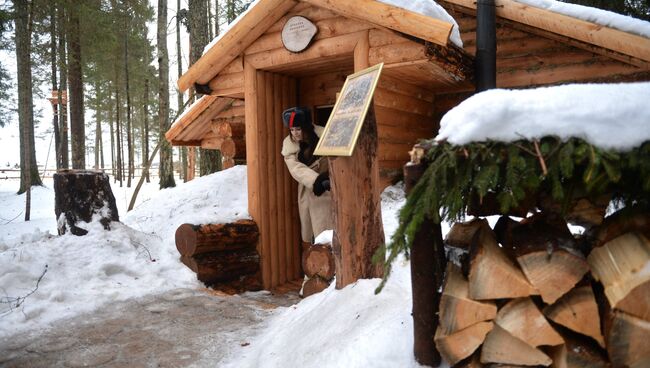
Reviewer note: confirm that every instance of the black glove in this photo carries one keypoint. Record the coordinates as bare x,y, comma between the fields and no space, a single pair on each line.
322,183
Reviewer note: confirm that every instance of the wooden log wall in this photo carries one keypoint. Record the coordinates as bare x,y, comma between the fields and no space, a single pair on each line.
272,191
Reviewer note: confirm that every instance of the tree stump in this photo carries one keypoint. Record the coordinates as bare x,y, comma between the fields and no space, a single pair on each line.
80,194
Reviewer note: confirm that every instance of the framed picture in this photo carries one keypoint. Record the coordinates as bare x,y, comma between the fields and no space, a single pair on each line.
344,124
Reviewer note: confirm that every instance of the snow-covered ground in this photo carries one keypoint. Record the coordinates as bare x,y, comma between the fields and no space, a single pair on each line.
352,327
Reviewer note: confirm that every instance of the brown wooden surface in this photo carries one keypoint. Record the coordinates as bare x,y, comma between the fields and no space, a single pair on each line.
501,347
78,195
578,311
198,239
358,229
461,344
313,286
318,260
224,265
523,320
492,275
627,341
461,233
577,353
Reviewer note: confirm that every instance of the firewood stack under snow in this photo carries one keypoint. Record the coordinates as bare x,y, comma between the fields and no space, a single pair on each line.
530,293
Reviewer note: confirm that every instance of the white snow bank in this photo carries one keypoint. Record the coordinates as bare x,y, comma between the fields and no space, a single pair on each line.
431,9
599,16
426,7
134,259
610,116
351,327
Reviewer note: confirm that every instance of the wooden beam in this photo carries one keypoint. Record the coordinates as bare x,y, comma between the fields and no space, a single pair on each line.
361,51
609,38
186,119
312,13
234,41
395,18
270,167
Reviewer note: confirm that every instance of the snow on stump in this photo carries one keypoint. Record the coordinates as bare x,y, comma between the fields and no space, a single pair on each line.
80,194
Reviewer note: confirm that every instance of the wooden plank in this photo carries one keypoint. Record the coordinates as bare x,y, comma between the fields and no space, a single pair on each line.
227,81
568,73
361,51
272,198
397,53
613,39
232,44
392,117
397,19
232,112
201,124
327,28
293,93
263,157
320,49
252,164
287,194
401,87
547,59
186,119
401,102
394,151
404,134
278,173
313,13
381,37
235,66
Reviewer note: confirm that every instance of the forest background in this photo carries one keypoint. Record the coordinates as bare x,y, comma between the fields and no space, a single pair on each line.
111,60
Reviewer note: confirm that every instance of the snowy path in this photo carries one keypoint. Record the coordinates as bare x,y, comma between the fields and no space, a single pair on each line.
179,328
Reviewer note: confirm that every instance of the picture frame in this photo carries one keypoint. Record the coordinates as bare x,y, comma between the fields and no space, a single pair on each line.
347,117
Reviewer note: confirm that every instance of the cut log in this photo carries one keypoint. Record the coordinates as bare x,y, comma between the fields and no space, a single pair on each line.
221,129
548,255
318,260
576,355
198,239
463,343
457,310
228,148
623,267
492,275
474,361
223,266
313,286
80,194
627,341
501,347
522,319
489,206
461,233
577,310
624,221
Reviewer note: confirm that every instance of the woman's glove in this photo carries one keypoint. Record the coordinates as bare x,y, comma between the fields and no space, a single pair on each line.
322,183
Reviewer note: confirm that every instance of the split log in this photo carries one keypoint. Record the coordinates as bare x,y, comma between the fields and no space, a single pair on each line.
578,311
313,286
501,347
80,194
492,275
473,361
577,354
548,255
318,260
622,265
582,212
459,240
461,344
522,319
489,206
629,219
198,239
223,266
457,310
627,341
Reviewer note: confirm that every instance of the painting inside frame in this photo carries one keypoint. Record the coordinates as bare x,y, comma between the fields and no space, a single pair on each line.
345,122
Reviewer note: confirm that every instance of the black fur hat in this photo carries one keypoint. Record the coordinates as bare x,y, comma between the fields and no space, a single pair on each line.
297,117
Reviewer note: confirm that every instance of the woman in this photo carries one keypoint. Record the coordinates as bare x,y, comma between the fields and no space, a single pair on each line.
314,200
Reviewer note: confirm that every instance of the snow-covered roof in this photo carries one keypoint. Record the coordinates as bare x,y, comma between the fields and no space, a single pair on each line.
610,116
594,15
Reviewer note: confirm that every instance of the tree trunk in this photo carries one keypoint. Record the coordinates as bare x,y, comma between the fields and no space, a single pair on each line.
179,95
118,137
112,129
79,194
77,122
129,127
145,130
166,163
223,266
63,100
358,229
55,85
98,126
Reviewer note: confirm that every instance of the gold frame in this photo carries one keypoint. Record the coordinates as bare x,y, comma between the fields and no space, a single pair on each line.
344,124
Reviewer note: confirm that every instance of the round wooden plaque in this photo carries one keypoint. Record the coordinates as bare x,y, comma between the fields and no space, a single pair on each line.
297,33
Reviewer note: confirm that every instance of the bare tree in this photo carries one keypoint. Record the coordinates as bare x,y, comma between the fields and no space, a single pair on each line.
166,163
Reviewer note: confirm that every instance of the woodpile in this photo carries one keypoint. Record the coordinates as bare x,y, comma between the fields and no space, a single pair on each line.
530,293
223,256
319,268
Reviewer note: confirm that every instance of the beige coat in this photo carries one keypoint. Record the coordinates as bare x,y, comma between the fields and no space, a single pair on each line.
315,212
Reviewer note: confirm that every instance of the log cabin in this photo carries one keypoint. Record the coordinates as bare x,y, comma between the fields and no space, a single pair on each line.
248,78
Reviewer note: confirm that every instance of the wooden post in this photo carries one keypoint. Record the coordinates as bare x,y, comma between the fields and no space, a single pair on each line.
358,228
427,275
191,163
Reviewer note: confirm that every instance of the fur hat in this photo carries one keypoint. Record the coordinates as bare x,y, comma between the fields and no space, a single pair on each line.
297,117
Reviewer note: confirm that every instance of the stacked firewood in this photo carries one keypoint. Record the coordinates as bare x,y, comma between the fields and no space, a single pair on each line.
318,265
529,293
222,255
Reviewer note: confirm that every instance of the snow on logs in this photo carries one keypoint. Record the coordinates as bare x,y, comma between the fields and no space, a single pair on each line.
531,294
78,196
222,254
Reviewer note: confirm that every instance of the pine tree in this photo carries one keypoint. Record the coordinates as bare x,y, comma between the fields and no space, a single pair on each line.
166,164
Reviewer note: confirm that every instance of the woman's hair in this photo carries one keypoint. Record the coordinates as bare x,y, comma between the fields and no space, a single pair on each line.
307,145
